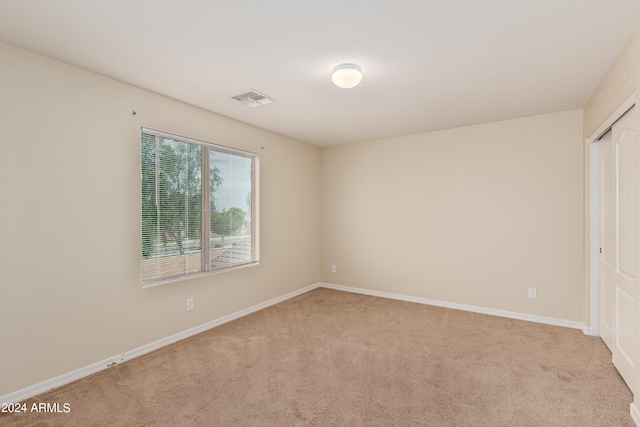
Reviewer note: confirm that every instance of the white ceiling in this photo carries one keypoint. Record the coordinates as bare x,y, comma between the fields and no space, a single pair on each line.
427,64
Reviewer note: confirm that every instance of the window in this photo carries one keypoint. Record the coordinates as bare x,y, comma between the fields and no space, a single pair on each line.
198,204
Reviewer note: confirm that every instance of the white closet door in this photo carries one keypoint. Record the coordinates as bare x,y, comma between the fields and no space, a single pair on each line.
617,242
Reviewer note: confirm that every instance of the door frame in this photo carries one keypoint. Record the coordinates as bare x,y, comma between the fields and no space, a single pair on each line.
592,215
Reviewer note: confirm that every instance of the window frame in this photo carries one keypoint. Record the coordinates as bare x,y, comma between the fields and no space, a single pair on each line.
206,232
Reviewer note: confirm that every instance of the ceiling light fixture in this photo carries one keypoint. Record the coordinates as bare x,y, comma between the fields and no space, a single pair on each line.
346,76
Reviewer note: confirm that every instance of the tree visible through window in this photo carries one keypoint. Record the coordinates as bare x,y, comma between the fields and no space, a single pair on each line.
197,203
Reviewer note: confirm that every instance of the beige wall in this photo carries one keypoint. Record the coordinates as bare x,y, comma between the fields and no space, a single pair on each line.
70,220
473,215
621,81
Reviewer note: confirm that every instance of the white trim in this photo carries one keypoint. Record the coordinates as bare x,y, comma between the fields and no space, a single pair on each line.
635,413
456,306
592,209
61,380
588,331
619,112
592,248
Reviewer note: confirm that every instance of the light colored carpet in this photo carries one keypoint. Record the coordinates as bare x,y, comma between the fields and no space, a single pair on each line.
330,358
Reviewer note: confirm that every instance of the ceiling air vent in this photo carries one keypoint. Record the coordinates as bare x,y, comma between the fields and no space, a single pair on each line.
253,99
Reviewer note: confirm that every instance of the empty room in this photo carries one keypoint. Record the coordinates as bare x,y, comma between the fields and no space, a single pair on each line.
359,212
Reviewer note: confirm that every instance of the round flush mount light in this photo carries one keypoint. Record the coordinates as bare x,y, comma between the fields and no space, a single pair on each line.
346,76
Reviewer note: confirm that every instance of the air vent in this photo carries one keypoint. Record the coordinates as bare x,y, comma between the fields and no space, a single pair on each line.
253,99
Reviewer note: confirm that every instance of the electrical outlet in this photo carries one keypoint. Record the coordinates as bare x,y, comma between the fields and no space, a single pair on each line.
333,269
189,304
533,293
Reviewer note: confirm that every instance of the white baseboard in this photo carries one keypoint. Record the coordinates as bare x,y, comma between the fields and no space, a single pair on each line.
635,413
464,307
61,380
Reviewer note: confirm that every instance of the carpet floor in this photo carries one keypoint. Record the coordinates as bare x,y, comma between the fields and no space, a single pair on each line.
332,358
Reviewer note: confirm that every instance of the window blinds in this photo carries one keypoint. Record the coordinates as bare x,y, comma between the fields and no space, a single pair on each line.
197,203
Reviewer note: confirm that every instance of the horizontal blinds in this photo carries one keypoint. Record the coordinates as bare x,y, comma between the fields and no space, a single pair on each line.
174,202
171,207
230,208
214,147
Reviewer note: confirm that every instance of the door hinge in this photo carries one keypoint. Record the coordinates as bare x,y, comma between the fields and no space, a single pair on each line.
600,250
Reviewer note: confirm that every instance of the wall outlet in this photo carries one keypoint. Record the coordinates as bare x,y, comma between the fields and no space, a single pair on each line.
533,293
333,269
189,304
